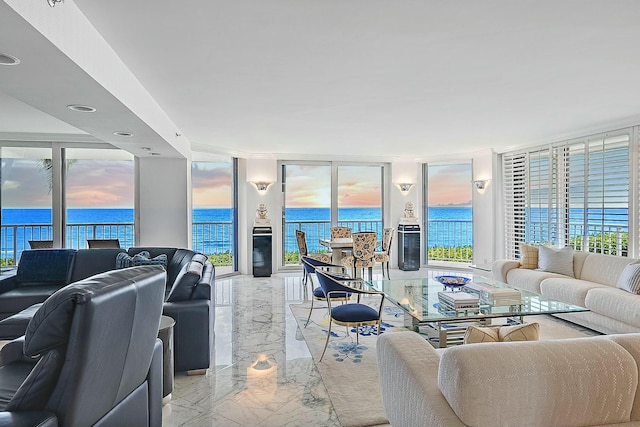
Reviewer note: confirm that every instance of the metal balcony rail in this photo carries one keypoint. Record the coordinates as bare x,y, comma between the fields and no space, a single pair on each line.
14,238
450,240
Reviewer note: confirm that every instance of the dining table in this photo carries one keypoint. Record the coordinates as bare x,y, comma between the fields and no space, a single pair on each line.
337,246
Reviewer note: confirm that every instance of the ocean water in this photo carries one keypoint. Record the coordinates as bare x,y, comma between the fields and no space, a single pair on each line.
448,226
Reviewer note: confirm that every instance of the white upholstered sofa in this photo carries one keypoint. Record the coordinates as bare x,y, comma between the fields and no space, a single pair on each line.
612,310
576,382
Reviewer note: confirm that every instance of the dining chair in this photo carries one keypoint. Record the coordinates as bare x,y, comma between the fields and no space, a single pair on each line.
384,255
340,232
301,239
103,243
310,266
364,244
41,244
350,314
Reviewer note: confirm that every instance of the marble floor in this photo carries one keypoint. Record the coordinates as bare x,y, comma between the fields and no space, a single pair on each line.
253,322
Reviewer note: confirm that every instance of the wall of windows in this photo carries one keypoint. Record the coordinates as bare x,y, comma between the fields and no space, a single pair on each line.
577,192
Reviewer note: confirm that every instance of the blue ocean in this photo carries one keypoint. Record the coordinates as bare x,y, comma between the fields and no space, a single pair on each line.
207,237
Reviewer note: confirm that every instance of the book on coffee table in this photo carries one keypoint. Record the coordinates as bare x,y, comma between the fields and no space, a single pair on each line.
494,295
459,300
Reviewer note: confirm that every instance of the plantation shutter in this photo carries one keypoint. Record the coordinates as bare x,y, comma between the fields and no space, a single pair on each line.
569,193
514,181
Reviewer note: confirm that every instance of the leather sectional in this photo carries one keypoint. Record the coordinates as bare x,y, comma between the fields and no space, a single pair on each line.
189,294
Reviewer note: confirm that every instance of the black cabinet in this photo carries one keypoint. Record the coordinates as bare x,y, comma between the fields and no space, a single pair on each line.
262,251
409,247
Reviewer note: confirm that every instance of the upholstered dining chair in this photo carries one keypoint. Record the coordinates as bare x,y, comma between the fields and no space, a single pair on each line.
384,255
311,265
340,232
364,244
351,314
301,239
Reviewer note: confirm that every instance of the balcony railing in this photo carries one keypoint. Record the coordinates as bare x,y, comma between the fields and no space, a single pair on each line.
15,238
212,238
450,240
316,230
611,239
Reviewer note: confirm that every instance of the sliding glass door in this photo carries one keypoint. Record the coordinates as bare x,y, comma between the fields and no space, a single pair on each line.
317,196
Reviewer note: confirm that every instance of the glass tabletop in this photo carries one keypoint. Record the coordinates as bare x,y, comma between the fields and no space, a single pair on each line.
424,301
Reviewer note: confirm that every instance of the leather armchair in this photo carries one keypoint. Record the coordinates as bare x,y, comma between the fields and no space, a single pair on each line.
90,355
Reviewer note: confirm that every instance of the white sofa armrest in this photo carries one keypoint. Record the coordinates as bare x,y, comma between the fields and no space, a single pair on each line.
501,267
408,368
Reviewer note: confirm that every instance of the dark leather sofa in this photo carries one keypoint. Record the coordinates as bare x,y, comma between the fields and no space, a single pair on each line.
189,296
90,356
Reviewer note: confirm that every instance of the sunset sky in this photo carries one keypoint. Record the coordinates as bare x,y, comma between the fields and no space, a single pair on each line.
109,184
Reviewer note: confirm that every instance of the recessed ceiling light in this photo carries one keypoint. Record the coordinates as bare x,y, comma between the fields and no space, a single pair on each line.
122,133
8,59
155,154
146,148
81,108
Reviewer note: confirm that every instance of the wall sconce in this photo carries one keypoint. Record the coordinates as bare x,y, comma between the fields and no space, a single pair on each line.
404,187
481,184
52,3
262,186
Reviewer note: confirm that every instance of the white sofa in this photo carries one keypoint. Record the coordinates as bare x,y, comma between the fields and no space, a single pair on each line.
612,310
575,382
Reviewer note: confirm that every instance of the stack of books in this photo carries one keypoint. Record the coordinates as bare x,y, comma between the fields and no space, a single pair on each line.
494,295
459,300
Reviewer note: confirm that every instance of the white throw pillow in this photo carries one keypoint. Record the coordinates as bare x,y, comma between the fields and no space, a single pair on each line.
629,280
555,260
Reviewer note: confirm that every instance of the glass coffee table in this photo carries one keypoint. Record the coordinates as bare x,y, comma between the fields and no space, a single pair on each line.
428,311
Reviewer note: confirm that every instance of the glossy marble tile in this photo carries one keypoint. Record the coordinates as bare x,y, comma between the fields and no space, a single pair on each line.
254,324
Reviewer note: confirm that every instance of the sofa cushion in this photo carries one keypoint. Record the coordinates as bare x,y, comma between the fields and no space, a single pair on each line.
141,259
604,269
572,291
50,325
529,280
560,382
20,298
615,303
15,326
45,267
629,280
185,282
528,256
93,261
555,260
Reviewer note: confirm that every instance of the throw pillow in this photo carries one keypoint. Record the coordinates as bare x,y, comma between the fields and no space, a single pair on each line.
123,260
528,256
524,332
555,260
477,334
629,280
141,259
187,279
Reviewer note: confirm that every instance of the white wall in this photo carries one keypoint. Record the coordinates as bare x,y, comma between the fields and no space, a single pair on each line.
484,209
163,206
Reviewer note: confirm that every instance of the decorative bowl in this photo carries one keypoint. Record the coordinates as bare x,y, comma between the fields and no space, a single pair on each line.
453,281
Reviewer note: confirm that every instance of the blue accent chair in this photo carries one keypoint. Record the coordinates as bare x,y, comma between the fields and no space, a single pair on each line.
350,314
310,266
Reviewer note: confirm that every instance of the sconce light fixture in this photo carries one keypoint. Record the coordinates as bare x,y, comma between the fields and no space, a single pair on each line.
404,187
262,186
52,3
481,184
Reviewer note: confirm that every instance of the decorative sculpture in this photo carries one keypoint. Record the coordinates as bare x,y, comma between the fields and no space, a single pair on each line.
409,216
262,215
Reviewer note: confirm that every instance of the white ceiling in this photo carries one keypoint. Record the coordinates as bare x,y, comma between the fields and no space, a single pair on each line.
370,78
